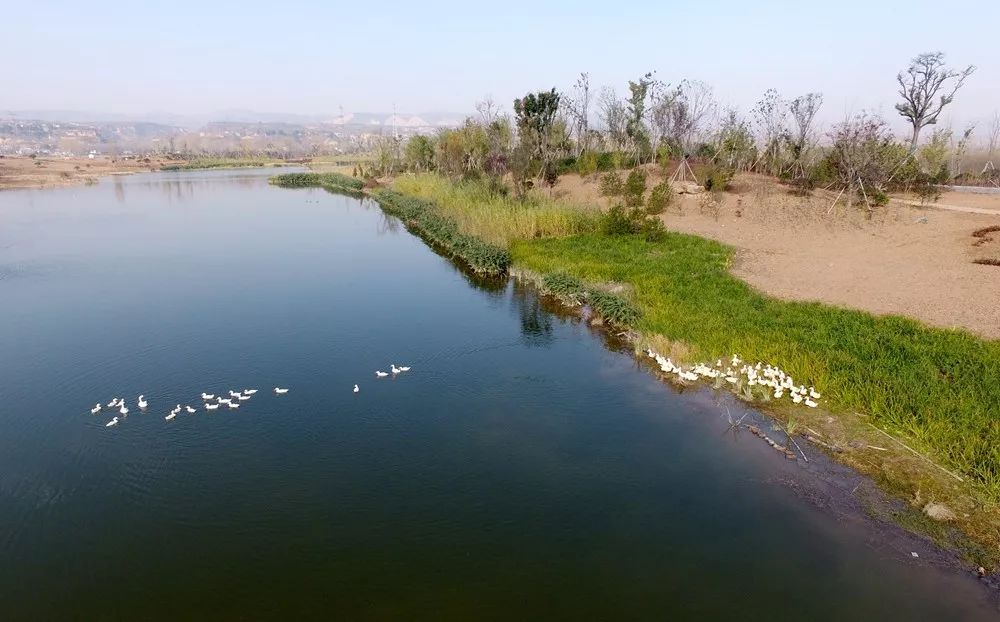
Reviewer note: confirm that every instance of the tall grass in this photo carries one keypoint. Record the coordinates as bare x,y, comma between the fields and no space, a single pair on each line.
938,387
426,220
496,218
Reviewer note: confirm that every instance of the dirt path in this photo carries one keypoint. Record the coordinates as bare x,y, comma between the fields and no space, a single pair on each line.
908,260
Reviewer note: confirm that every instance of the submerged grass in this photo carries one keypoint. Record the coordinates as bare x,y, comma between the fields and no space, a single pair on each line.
334,182
938,387
496,218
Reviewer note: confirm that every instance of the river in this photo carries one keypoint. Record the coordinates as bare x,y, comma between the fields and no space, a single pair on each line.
521,470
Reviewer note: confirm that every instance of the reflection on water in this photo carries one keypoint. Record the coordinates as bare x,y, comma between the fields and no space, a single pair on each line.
520,471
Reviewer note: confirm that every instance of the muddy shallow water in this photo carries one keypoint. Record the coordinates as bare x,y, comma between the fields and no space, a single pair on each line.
520,470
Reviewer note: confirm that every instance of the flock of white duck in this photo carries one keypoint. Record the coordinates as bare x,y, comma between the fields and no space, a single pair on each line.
210,401
768,380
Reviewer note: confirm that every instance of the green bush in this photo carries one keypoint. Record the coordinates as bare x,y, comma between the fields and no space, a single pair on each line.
564,286
717,177
653,230
614,309
605,161
586,164
619,221
612,184
333,182
635,188
659,198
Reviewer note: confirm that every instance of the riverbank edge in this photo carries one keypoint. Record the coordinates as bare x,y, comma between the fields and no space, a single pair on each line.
972,534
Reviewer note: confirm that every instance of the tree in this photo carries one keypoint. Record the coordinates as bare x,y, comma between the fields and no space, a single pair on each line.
927,86
536,114
864,156
418,153
803,109
578,106
994,138
769,117
635,126
615,118
691,106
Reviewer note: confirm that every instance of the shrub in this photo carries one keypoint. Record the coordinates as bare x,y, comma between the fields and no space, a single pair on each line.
653,230
614,309
618,221
659,198
635,187
612,184
333,182
605,161
564,286
717,178
586,164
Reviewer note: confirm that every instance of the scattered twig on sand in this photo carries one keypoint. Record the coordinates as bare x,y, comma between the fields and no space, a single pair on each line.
792,440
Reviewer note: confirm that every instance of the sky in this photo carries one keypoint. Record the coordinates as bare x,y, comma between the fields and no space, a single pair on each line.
315,57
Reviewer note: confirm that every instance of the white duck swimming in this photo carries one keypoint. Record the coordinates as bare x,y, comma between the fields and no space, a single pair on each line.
404,368
123,410
207,396
189,409
243,398
170,416
280,391
96,409
211,406
111,423
381,374
142,402
113,403
357,389
249,391
234,405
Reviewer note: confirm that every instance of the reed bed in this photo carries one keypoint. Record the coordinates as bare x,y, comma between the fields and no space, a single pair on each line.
498,218
333,182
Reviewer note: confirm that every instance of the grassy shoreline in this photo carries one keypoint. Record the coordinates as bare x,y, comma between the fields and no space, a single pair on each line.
937,390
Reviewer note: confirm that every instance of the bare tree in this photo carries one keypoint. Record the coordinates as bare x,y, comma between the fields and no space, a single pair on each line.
927,86
803,109
861,156
994,138
488,110
769,118
615,118
578,106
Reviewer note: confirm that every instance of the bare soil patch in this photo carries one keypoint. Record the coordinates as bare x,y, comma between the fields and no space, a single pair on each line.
905,260
21,172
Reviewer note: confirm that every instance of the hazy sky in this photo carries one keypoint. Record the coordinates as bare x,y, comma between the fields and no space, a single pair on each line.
312,57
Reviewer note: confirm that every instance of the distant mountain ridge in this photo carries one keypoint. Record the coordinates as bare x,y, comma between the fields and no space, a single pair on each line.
373,119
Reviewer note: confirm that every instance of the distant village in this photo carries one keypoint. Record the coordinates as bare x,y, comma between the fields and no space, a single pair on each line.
277,139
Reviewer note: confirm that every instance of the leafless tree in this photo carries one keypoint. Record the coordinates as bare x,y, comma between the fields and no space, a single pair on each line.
994,138
578,106
927,86
615,118
860,154
488,110
769,116
803,109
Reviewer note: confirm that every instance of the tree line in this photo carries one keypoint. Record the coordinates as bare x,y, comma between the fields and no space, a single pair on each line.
552,133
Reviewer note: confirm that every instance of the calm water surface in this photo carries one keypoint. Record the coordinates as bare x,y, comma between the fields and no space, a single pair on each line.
520,471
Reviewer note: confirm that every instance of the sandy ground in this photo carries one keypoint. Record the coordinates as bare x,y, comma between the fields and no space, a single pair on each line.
906,260
20,172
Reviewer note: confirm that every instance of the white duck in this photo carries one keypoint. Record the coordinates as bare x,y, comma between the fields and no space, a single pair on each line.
404,368
234,394
249,391
113,403
234,405
142,402
111,423
243,398
381,374
176,410
96,409
207,396
190,410
280,391
394,369
357,389
170,416
123,410
211,406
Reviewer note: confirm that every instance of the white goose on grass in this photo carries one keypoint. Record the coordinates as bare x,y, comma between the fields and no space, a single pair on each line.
207,396
142,402
357,389
190,410
111,423
211,406
96,409
381,374
280,391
